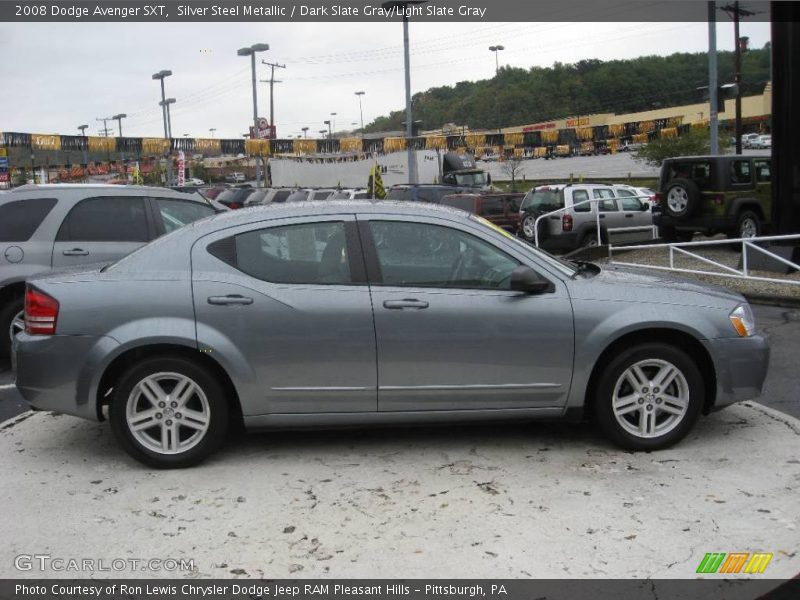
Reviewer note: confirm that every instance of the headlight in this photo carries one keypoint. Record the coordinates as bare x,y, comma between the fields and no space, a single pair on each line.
743,321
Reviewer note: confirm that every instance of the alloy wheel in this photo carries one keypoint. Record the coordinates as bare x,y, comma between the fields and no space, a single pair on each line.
168,413
17,325
748,228
529,227
677,200
651,398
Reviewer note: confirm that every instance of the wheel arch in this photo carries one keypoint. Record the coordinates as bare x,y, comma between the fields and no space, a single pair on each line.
132,355
741,204
11,290
679,339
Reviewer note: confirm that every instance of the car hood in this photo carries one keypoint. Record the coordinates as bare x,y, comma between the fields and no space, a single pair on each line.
626,284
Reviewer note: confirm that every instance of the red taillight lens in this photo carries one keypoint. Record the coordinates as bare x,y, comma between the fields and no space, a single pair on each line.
41,313
655,200
566,223
658,198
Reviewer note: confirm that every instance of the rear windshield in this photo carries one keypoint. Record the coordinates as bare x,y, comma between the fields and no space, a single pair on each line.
701,172
20,218
544,199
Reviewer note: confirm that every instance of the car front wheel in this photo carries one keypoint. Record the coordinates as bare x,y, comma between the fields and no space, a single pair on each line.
648,397
12,322
167,412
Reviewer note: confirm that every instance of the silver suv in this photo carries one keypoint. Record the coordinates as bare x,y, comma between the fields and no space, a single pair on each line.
620,208
45,227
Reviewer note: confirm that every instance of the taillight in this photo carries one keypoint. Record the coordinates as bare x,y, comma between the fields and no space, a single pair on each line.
566,223
655,199
41,312
719,199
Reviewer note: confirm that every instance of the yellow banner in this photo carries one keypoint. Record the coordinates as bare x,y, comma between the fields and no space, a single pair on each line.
394,144
515,139
433,142
256,147
351,144
207,145
616,130
45,142
102,144
475,139
550,137
3,152
154,145
305,146
669,132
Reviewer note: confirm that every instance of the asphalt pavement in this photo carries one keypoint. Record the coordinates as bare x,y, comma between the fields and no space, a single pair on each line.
780,325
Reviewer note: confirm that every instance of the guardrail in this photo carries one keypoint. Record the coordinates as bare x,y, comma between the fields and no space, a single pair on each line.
743,273
597,214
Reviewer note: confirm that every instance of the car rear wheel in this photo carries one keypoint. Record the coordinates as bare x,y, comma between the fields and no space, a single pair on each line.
167,412
748,225
12,322
648,397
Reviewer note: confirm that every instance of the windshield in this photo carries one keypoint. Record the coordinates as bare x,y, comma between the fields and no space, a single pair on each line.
477,178
543,199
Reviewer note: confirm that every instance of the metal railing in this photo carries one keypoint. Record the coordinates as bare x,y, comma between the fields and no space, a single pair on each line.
597,215
726,271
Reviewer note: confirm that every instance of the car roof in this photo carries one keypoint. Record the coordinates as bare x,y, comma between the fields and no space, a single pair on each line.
31,190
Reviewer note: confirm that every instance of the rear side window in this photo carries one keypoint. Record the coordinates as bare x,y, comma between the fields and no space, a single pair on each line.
281,196
607,202
21,218
699,172
177,213
310,253
491,206
464,203
107,219
740,172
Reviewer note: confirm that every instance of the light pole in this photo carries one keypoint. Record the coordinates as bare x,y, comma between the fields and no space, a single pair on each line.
496,49
251,52
166,104
334,123
330,131
361,110
83,129
212,130
160,76
305,132
403,5
119,118
322,133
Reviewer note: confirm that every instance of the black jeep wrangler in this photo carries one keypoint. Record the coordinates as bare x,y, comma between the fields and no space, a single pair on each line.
714,194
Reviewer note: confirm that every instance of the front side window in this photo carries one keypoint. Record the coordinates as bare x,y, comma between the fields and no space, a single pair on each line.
492,205
308,253
19,219
177,213
425,255
108,219
763,171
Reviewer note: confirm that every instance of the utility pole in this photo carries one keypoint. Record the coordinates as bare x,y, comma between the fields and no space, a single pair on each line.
713,88
105,121
736,13
272,81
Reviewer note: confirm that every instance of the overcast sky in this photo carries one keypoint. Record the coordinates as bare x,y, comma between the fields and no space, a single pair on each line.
58,76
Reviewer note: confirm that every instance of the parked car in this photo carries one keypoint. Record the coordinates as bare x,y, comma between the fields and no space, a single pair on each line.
235,177
748,139
212,191
360,194
195,181
309,194
576,227
500,209
762,142
235,197
424,192
729,194
268,196
45,227
346,314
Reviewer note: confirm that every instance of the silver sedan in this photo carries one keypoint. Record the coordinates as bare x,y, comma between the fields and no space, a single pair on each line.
359,313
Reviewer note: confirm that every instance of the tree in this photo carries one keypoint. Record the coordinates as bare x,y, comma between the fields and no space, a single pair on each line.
513,167
691,143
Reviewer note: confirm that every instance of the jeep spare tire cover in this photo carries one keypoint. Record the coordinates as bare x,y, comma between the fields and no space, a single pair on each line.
681,198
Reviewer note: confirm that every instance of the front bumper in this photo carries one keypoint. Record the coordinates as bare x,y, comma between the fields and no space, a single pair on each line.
60,373
741,365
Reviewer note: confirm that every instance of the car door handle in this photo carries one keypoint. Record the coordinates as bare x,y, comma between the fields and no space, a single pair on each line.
628,216
602,216
405,303
76,252
229,300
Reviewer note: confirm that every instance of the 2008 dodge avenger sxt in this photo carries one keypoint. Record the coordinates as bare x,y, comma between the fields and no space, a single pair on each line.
374,313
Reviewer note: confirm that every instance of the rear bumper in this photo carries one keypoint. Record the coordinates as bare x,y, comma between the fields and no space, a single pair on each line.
60,372
741,365
697,223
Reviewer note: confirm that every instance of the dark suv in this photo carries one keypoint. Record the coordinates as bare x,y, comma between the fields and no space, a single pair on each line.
424,192
714,194
500,209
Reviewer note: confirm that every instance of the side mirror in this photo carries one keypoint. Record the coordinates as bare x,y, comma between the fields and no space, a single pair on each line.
524,279
645,206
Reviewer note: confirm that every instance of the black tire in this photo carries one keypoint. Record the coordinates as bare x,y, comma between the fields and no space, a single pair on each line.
651,357
589,239
7,314
681,198
748,224
216,405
